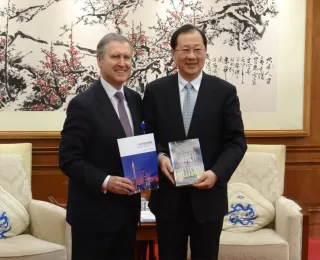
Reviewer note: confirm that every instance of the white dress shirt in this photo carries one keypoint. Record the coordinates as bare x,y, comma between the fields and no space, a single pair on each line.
183,91
111,91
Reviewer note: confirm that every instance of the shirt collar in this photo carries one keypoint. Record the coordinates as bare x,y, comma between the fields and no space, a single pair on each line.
195,83
110,90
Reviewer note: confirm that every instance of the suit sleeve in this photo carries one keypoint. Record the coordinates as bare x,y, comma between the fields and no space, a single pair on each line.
75,139
234,140
150,118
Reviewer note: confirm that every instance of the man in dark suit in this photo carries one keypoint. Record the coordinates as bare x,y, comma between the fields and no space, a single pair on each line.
215,118
103,217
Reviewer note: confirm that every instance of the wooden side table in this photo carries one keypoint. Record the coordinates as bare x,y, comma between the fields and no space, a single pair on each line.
146,236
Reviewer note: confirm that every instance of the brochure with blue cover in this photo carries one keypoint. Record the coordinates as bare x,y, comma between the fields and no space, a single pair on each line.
139,161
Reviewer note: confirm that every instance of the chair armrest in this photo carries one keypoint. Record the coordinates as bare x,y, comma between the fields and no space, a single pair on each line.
48,222
305,237
289,222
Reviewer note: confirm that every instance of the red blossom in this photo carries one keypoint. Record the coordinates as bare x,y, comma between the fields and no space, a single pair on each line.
58,77
44,89
142,38
38,107
53,99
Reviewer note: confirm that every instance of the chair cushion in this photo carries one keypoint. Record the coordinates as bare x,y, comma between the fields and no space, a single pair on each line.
259,170
27,247
14,179
264,244
248,210
14,218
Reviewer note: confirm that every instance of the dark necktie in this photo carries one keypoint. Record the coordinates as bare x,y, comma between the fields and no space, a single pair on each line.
124,119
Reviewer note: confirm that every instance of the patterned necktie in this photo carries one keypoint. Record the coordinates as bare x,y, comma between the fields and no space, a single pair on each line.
188,106
124,119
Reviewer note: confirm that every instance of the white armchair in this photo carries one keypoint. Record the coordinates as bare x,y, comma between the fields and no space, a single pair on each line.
48,235
282,239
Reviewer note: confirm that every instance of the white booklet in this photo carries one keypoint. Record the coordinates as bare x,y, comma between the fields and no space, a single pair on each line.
147,216
139,161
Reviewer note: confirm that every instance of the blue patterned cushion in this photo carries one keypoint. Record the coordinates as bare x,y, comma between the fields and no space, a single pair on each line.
248,209
14,218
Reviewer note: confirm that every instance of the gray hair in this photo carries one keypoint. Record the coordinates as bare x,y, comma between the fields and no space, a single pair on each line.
107,39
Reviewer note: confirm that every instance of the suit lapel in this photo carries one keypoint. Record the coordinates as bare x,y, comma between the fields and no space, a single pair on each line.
174,105
133,110
107,109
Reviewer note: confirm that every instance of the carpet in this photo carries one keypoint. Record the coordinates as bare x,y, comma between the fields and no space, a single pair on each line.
314,249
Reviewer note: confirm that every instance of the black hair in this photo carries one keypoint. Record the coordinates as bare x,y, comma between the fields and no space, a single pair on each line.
186,29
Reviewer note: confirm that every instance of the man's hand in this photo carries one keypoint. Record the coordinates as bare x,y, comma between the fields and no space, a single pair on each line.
119,185
206,180
166,167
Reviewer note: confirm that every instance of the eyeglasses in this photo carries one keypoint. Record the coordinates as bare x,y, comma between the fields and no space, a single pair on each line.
197,51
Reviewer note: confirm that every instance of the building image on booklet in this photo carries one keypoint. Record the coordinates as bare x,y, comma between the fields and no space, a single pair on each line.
139,162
